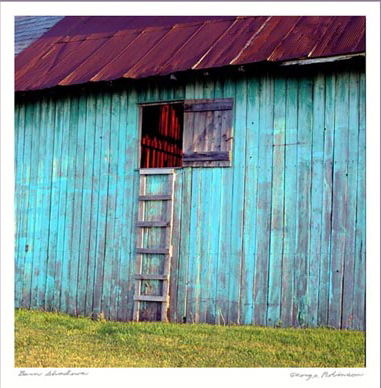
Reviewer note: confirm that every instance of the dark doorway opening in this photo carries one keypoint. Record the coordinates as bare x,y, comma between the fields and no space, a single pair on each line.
162,136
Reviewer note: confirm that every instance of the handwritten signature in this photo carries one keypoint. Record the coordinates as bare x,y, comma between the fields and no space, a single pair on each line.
50,373
311,376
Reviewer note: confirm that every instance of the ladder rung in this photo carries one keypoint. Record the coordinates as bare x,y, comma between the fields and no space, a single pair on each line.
159,197
150,277
150,298
157,171
145,224
153,251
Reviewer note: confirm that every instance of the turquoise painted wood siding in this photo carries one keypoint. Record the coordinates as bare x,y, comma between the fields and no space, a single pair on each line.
277,239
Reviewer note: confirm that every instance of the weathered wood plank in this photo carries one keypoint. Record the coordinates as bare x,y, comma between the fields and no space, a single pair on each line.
130,241
303,238
290,204
208,105
277,205
112,243
130,207
120,276
317,165
20,192
205,223
188,120
78,121
210,127
47,187
350,235
72,116
151,277
204,230
217,120
39,255
61,265
156,171
325,257
205,156
183,277
213,244
226,131
26,241
235,265
263,200
34,125
139,241
149,224
176,238
165,92
77,219
199,131
51,202
104,138
193,278
359,293
198,122
197,248
208,93
179,91
250,199
163,251
87,187
163,197
340,199
18,155
153,92
214,221
167,242
217,115
222,306
95,262
188,129
150,298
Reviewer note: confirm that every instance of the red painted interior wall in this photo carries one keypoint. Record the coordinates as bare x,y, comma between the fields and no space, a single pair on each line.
162,136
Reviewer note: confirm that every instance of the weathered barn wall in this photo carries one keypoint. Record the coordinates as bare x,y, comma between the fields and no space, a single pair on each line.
278,239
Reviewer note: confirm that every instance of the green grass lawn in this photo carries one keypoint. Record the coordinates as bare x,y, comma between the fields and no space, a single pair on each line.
57,340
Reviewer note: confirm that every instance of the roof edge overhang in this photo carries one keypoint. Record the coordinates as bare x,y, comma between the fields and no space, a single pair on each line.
313,61
290,67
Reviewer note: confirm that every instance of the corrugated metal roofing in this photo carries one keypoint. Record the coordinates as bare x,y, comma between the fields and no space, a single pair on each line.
99,48
30,28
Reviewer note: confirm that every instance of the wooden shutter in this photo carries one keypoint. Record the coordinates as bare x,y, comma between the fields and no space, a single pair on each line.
207,133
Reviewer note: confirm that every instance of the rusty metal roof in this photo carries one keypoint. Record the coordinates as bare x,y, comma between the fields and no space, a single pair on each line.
81,49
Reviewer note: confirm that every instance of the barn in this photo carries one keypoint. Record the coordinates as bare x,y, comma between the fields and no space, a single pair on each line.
193,169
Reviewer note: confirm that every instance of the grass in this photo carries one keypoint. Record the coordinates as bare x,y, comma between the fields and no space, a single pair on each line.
58,340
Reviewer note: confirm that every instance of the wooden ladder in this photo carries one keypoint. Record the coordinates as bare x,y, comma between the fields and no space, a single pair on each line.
165,221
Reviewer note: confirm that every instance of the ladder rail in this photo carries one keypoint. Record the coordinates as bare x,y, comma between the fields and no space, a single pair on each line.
168,243
164,248
138,265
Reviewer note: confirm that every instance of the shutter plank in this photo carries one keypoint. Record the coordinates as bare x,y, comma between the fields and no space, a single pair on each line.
218,131
199,131
208,105
226,131
206,156
207,140
188,132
